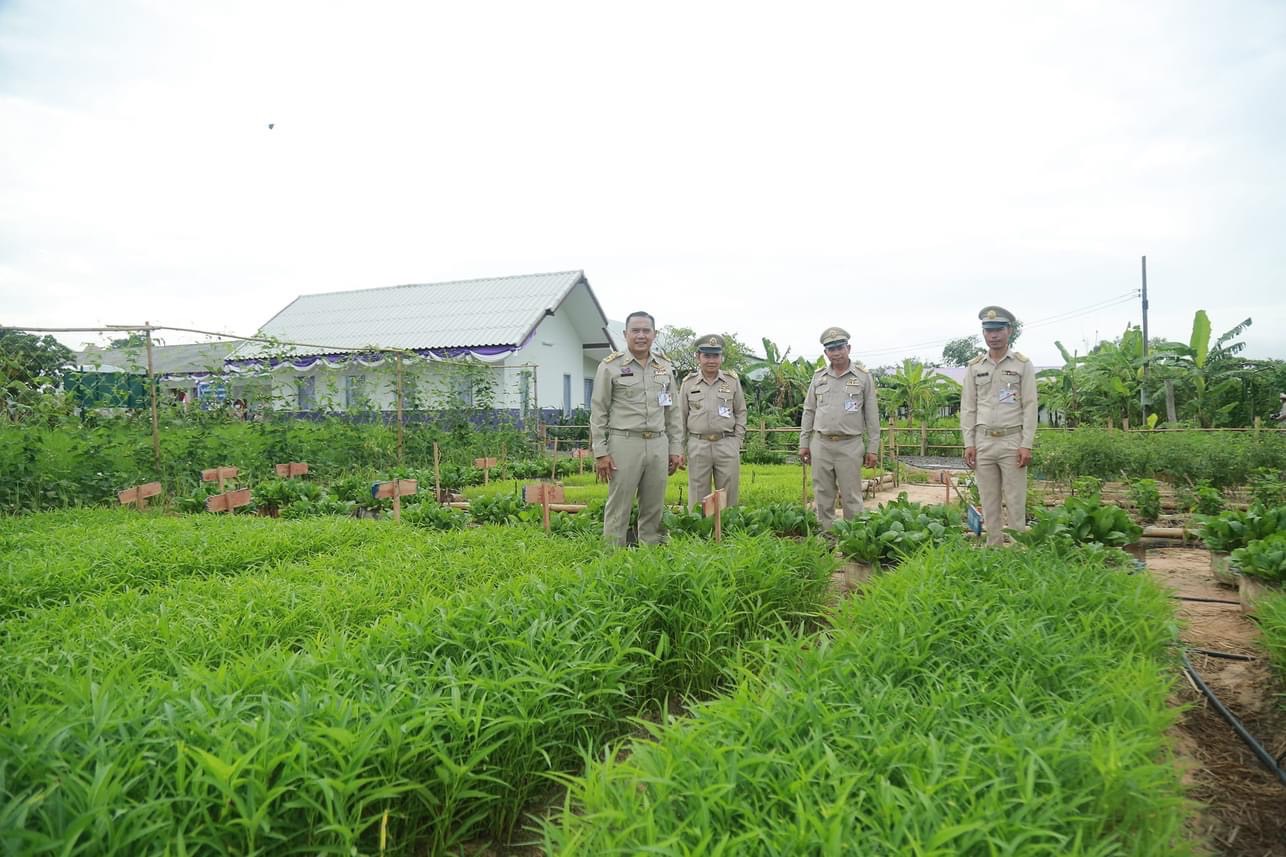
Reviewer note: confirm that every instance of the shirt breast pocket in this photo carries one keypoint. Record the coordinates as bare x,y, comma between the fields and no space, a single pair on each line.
695,400
629,389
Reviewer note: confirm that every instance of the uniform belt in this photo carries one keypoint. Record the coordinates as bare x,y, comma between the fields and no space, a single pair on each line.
712,436
1000,432
839,436
646,435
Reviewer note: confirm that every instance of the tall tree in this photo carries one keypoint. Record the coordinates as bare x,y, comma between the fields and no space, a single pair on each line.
29,363
958,352
921,391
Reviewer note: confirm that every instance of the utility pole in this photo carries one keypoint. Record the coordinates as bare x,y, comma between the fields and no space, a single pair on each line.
1143,389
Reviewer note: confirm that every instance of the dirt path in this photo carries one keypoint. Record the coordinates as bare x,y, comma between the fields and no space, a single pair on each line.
1244,810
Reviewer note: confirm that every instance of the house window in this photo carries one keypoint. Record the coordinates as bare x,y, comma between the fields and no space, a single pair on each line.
306,392
589,392
567,395
354,391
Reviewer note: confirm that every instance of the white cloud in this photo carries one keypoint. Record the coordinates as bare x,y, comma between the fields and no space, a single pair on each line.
741,167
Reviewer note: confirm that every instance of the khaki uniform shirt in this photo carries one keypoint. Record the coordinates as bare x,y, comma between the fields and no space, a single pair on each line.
713,407
636,397
999,395
841,404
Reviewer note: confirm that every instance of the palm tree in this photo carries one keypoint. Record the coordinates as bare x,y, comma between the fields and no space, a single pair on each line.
920,391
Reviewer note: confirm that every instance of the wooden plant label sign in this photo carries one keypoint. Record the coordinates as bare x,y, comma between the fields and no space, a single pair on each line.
218,474
485,465
138,494
292,469
397,489
580,452
716,502
228,500
544,493
713,505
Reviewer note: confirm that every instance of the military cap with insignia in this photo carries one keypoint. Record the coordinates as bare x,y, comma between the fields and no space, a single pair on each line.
712,344
994,317
833,336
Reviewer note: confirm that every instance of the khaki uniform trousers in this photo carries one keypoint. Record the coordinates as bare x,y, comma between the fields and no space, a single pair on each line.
836,464
1001,481
720,459
642,466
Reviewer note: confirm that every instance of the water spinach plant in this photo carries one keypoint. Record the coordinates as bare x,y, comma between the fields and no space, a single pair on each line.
410,731
975,702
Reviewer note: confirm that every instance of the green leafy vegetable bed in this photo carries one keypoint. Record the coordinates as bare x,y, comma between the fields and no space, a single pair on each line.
411,725
973,702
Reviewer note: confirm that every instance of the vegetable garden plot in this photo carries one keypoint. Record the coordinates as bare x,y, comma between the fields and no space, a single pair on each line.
213,621
435,727
974,702
57,557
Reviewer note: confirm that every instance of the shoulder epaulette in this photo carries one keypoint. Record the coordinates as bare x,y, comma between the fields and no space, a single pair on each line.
609,358
861,367
976,359
821,371
1021,357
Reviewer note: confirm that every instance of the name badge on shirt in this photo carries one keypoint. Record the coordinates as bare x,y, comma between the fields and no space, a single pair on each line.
1007,396
852,406
664,399
725,411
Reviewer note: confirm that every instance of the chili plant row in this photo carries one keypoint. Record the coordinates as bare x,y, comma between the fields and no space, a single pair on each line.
975,702
429,733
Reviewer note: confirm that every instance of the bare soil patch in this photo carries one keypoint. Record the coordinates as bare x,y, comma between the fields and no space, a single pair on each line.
1243,806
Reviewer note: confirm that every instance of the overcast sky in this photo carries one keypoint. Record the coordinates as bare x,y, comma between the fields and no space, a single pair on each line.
764,169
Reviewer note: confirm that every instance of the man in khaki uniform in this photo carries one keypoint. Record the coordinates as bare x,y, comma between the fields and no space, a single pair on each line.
840,407
998,419
635,431
714,423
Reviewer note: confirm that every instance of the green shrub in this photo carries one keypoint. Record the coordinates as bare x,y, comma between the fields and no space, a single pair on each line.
1265,558
1209,500
1146,494
895,531
1233,529
1080,521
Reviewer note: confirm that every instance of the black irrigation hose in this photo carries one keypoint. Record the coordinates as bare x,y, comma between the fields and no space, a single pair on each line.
1205,600
1260,753
1229,656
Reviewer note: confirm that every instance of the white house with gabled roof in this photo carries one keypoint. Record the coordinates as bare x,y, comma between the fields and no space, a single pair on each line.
537,337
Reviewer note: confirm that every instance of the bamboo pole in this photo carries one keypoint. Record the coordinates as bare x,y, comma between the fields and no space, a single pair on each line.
151,386
400,446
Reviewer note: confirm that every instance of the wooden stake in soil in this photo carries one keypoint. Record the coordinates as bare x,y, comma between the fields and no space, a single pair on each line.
437,473
138,494
580,454
553,462
713,504
396,489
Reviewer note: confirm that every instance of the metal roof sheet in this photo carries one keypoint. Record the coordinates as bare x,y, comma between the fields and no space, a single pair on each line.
166,359
460,314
